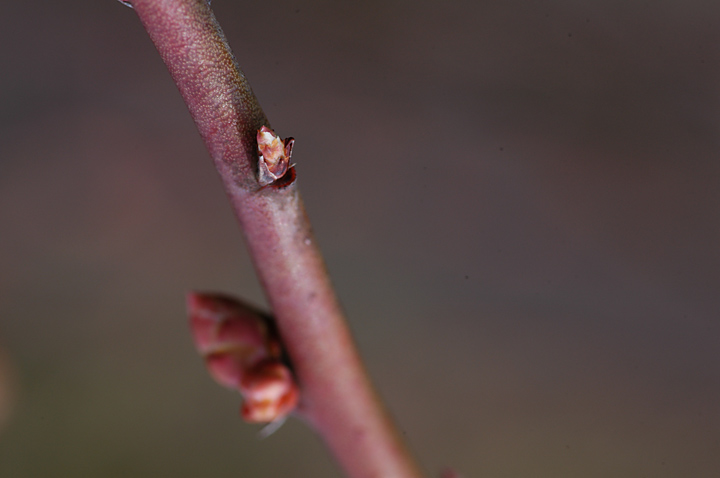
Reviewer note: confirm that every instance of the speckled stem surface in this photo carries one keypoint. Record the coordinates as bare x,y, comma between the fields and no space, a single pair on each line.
337,397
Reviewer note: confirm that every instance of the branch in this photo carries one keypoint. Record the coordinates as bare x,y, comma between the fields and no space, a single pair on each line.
337,398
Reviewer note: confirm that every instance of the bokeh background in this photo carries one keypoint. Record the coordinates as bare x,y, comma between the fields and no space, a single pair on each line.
518,202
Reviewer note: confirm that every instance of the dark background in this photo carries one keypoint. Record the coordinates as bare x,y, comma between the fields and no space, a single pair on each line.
518,202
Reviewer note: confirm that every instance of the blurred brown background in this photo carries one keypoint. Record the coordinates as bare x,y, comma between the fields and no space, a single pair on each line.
518,202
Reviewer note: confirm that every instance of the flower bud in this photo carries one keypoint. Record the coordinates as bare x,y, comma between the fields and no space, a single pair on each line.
243,351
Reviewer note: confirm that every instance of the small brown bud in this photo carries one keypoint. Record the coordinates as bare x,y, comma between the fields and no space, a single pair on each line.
274,155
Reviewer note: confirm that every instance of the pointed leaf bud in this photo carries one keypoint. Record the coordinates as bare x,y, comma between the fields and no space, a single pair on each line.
274,155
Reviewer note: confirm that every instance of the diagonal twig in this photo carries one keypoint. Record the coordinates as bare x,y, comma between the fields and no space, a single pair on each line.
337,398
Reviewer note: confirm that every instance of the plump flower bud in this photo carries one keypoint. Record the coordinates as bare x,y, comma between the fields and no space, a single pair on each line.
243,351
269,391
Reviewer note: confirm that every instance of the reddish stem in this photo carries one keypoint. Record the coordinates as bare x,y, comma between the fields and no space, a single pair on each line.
337,397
